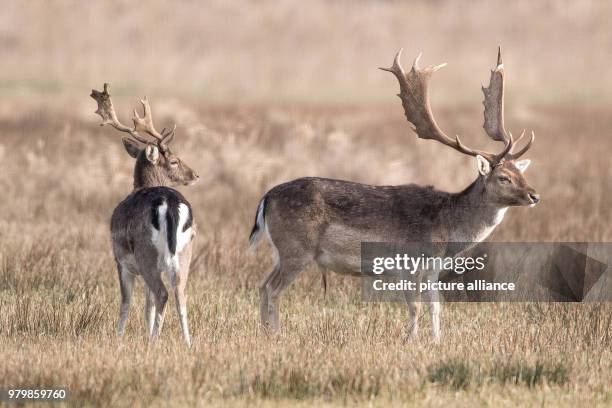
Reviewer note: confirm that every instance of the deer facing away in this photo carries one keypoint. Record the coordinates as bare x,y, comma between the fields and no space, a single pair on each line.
153,227
324,221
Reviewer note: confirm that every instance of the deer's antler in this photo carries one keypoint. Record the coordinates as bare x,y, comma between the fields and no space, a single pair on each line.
494,103
145,123
514,156
414,93
494,111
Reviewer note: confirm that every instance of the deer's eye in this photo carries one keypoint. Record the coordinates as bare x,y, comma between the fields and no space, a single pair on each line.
174,163
503,180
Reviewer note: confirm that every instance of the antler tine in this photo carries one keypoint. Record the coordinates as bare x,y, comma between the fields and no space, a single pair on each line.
396,69
514,156
497,158
145,123
414,93
168,136
108,114
520,137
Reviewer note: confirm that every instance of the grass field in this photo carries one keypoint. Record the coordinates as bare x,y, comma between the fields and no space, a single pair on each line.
264,93
63,176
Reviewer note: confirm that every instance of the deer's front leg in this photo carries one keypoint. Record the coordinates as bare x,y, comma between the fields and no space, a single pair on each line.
414,311
432,298
434,307
413,299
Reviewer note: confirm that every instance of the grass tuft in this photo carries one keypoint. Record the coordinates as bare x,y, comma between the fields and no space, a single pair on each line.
463,374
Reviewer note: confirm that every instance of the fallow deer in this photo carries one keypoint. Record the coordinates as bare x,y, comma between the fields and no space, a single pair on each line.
324,221
152,229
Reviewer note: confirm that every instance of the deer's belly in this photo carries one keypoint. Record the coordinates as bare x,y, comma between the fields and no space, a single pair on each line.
339,249
342,263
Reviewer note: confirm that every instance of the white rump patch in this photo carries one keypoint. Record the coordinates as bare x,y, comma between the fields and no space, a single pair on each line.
165,260
160,237
275,255
182,237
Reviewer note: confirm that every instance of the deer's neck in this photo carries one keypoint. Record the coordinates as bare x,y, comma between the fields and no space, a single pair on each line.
472,213
148,175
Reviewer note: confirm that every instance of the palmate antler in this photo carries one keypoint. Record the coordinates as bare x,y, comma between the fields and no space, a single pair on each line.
414,93
145,123
494,111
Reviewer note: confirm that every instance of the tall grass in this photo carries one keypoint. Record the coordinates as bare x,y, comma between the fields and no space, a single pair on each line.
59,291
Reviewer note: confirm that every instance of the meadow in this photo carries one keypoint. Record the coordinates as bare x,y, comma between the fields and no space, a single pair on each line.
60,293
255,110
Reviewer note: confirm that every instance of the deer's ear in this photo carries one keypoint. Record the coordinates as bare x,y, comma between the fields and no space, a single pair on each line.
484,167
152,153
522,165
131,147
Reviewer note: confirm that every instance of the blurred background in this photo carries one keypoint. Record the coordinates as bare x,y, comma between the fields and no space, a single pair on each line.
291,50
266,91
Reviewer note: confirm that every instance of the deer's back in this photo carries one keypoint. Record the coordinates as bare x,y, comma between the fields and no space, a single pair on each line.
137,218
404,212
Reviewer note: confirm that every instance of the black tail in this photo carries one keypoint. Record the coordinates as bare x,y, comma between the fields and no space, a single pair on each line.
172,221
172,200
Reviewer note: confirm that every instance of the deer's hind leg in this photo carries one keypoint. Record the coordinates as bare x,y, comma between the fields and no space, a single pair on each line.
283,274
293,249
151,274
179,282
149,310
160,295
126,283
264,311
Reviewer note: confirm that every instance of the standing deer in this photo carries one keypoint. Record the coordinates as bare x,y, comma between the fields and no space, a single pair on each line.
325,221
152,229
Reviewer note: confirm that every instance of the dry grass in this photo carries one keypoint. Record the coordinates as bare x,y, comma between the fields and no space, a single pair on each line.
62,176
59,292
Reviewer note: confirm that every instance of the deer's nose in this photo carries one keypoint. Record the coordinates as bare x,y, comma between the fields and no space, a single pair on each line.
535,198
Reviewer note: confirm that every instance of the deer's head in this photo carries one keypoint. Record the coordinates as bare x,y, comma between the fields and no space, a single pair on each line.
156,163
502,173
505,183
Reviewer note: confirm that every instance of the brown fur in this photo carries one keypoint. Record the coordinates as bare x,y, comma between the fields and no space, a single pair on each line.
324,221
135,253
